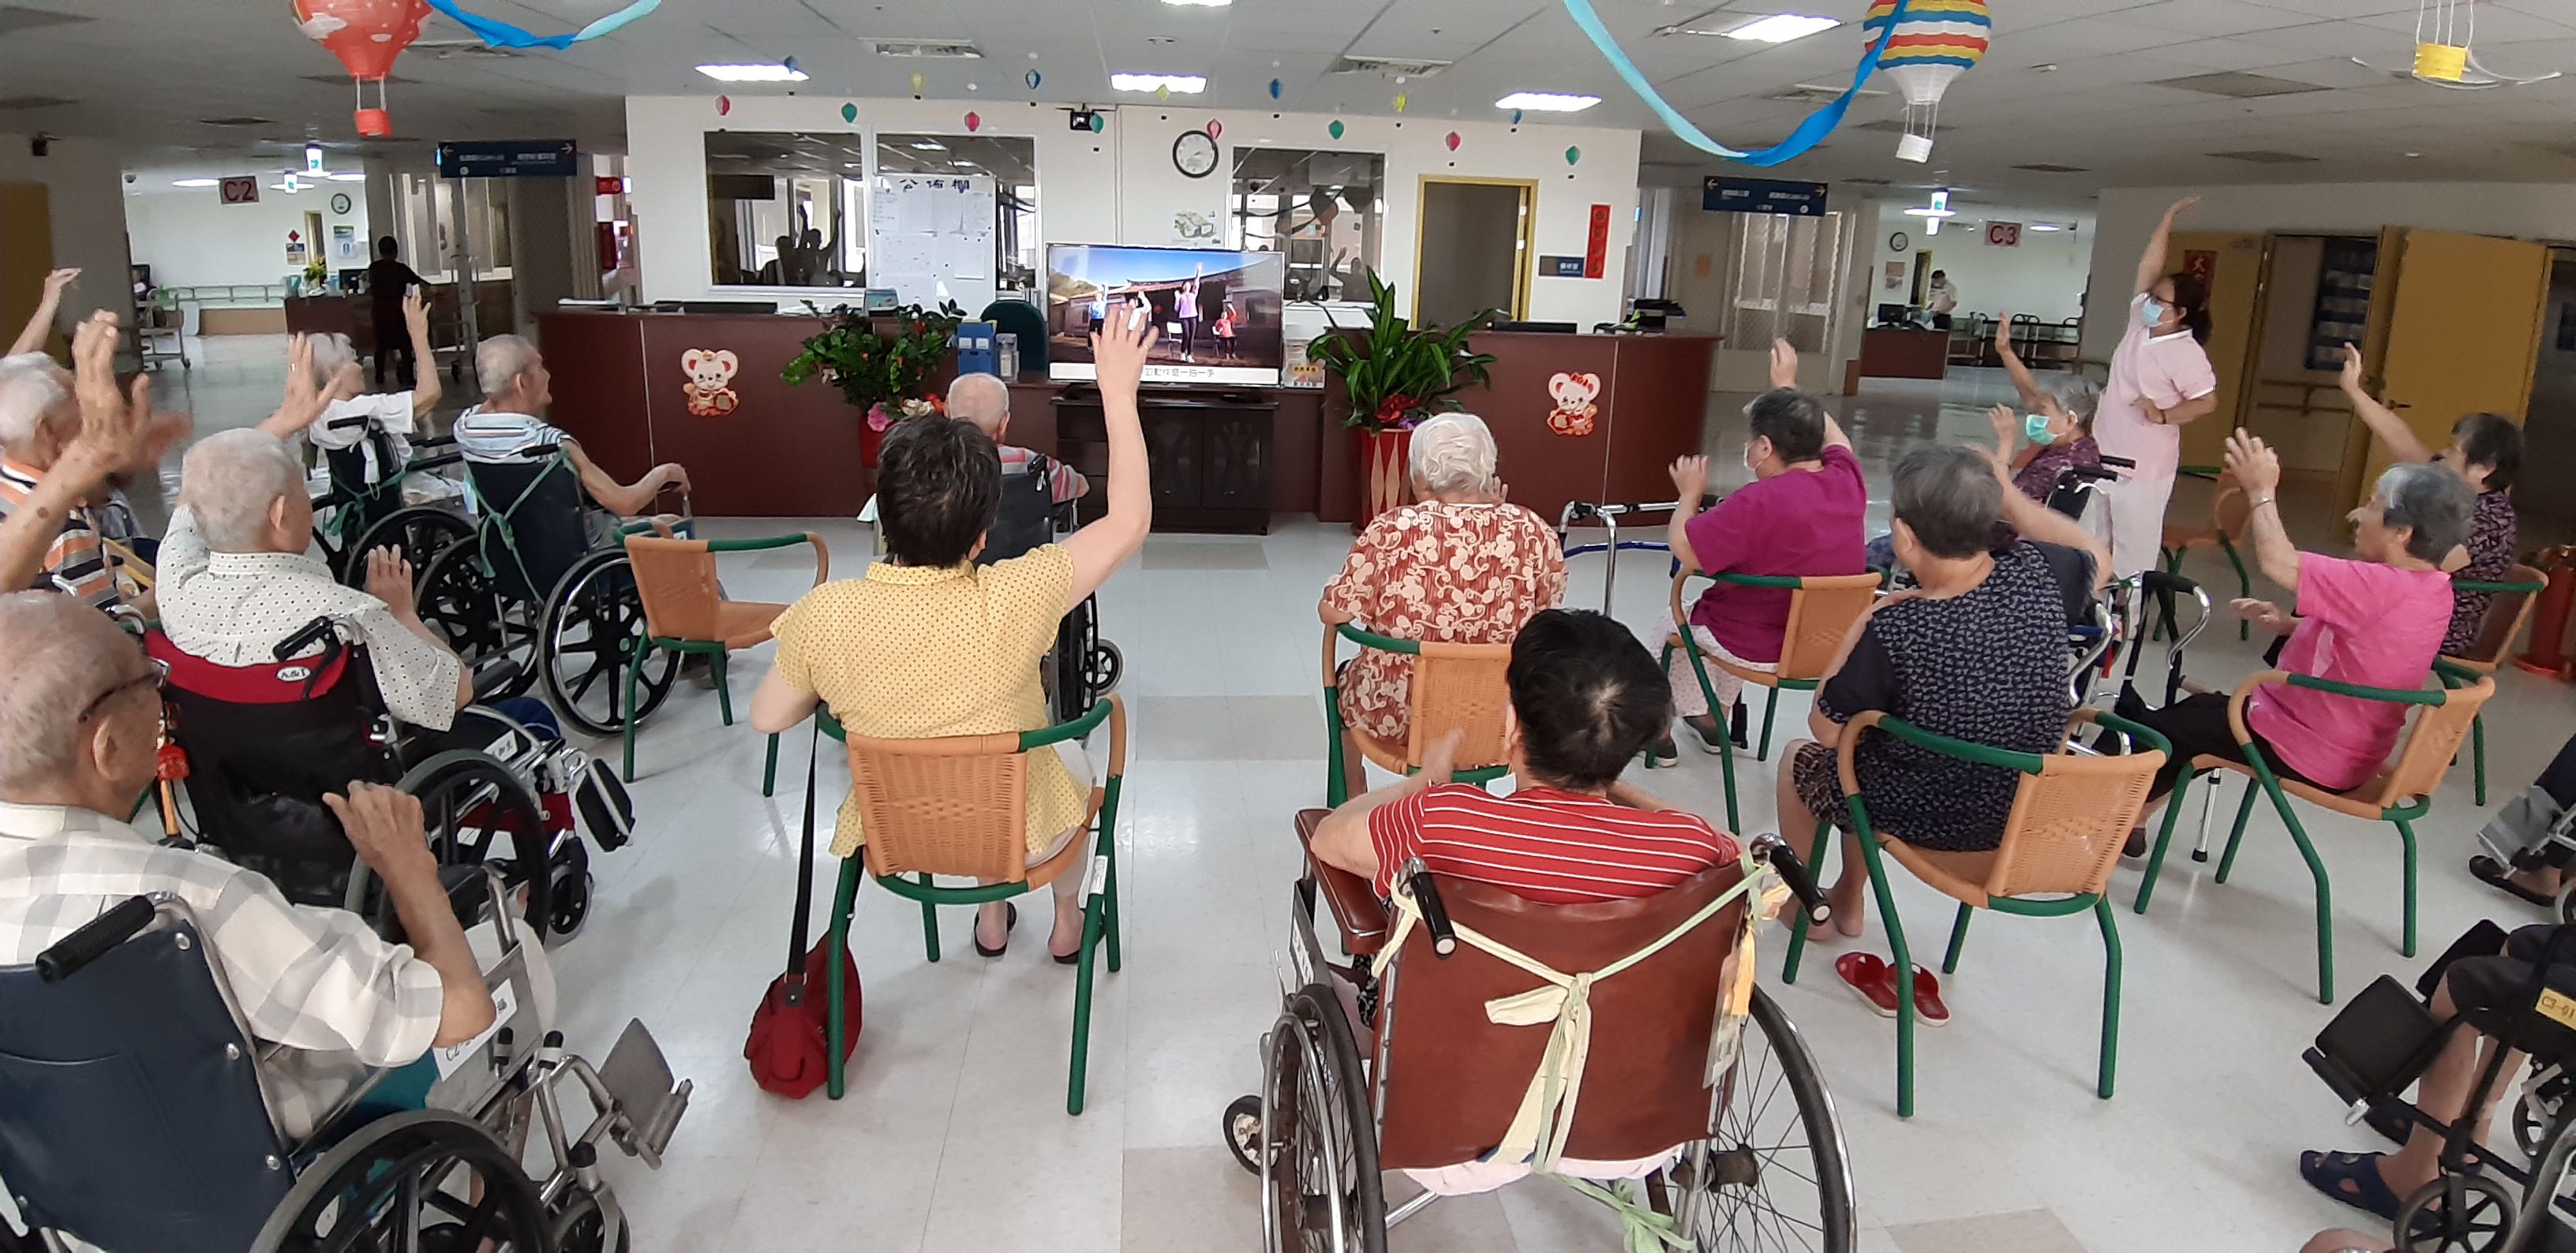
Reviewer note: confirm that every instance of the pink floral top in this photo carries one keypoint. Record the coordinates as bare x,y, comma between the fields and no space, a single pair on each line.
1459,574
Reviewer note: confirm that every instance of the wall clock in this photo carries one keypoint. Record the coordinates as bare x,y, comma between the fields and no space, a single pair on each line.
340,202
1194,154
1898,242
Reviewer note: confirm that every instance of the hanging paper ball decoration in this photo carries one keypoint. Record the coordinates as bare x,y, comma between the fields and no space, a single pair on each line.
849,113
1274,89
1099,122
1516,117
1453,141
974,122
1335,128
1933,43
1573,155
1215,128
1401,100
1163,93
366,35
1031,78
724,105
916,82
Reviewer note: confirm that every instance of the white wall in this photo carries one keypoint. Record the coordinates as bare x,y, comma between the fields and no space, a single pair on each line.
2540,211
84,181
1120,186
2043,277
191,238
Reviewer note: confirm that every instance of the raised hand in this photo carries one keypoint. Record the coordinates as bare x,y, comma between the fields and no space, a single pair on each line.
1690,479
2351,368
58,280
389,580
2007,426
2181,207
116,426
2003,335
2264,614
1784,364
416,309
2253,462
1121,345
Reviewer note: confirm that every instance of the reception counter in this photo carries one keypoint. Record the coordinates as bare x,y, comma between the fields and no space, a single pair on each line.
755,446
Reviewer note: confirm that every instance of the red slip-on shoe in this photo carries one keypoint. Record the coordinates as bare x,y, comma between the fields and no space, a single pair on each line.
1869,976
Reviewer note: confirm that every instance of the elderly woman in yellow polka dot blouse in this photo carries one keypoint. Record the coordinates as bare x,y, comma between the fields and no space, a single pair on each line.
926,643
1461,566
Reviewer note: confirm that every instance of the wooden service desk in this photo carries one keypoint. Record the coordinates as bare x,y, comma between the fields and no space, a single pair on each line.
1904,352
1650,405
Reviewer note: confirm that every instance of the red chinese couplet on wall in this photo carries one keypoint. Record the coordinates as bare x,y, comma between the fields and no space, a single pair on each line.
1596,250
2200,264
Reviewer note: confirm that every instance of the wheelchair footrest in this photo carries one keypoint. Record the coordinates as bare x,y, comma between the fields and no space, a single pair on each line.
639,1080
607,812
2377,1045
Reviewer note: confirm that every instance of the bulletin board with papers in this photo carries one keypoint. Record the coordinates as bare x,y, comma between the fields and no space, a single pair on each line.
930,238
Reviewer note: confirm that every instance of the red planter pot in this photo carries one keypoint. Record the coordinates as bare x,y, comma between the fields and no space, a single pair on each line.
1385,475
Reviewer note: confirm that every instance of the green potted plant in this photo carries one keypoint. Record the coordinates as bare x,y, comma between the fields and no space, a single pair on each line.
882,362
1393,376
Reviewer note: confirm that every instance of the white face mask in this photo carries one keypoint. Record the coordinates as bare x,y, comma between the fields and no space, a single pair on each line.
2151,311
1748,456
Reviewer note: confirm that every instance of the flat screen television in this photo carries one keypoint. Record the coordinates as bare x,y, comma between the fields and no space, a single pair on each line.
1220,311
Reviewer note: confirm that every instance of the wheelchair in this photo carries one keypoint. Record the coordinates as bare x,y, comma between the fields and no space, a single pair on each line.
544,582
365,504
252,749
2380,1042
1396,1061
133,1124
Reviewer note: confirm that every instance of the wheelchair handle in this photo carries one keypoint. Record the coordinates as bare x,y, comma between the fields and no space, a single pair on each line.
122,922
1774,851
1435,915
2119,463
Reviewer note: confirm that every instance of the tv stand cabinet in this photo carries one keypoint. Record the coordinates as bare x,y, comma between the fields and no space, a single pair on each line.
1210,451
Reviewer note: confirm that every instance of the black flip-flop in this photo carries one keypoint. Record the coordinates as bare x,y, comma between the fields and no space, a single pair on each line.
1010,919
2494,874
2330,1172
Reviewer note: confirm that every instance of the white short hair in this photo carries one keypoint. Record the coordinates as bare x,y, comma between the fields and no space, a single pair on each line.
63,655
500,360
31,385
982,399
331,353
228,482
1453,453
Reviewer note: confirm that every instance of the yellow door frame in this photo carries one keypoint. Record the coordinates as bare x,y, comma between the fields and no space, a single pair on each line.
1527,255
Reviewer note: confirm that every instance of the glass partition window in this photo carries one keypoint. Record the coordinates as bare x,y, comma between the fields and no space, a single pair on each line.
786,210
1012,164
1782,280
1325,210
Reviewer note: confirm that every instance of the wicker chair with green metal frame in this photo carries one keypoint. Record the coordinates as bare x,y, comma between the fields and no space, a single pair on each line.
2399,795
2069,820
1454,687
1821,612
957,806
2506,615
685,612
2229,515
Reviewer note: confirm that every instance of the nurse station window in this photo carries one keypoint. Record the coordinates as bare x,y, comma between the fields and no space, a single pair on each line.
787,210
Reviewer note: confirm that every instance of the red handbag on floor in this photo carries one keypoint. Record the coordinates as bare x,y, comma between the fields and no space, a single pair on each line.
788,1048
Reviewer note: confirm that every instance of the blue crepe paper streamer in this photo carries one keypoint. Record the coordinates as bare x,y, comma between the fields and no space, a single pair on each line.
1810,132
500,34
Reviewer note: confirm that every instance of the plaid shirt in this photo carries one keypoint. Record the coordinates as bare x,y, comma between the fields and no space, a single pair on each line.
326,998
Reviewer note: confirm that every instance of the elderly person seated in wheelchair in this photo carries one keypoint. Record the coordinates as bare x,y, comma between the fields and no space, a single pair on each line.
1973,655
1460,566
80,719
1802,516
985,400
510,425
2375,619
928,643
41,415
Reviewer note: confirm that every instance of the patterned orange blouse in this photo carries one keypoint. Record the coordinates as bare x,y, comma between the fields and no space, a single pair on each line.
1459,574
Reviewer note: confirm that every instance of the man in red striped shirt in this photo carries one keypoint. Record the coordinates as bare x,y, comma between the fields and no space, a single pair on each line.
1586,700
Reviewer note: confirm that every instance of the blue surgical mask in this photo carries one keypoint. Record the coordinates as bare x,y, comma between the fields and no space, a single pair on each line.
2036,427
2150,311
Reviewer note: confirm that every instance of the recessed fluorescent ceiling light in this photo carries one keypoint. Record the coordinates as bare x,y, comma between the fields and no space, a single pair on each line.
1546,102
1185,84
1204,4
929,145
346,177
760,73
1780,28
194,182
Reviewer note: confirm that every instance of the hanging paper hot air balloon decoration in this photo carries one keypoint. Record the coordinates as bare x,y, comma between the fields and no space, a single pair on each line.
2443,57
974,123
1215,129
1032,78
366,35
1931,42
1335,129
1274,89
849,113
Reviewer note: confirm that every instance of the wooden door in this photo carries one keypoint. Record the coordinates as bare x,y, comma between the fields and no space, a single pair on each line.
26,253
2232,264
2463,316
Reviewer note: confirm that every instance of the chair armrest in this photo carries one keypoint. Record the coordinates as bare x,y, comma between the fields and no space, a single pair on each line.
2265,678
822,553
2130,731
1353,901
1962,750
1382,643
1112,710
2500,589
1756,580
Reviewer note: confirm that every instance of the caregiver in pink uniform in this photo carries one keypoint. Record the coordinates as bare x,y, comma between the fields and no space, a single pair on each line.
2160,379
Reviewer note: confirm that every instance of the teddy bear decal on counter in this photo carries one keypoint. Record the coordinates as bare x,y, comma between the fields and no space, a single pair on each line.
710,390
1574,408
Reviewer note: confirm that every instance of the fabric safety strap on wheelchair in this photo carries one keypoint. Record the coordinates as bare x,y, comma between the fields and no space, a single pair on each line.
509,514
1546,1115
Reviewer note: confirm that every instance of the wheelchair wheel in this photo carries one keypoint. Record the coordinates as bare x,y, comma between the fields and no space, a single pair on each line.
582,1227
1776,1174
1318,1143
458,598
568,889
1106,666
422,532
2535,1109
426,1179
471,804
2456,1214
1243,1132
2567,902
594,622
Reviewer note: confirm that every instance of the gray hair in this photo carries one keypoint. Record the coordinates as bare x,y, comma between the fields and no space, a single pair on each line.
228,482
31,385
331,354
2074,393
982,399
1950,498
2440,506
500,360
1453,453
63,655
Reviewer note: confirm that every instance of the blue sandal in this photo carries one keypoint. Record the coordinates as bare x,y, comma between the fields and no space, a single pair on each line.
2352,1178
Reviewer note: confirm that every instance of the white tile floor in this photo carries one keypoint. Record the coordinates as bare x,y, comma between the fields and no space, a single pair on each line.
954,1136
